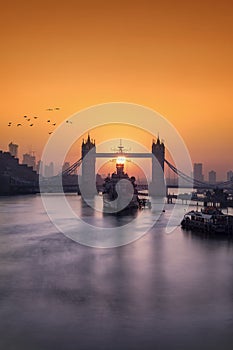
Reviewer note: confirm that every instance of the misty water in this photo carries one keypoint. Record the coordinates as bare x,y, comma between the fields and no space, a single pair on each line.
163,291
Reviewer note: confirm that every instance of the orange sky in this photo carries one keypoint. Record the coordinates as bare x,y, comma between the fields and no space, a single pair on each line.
173,56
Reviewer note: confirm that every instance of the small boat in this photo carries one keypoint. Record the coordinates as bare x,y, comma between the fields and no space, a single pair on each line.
209,220
144,203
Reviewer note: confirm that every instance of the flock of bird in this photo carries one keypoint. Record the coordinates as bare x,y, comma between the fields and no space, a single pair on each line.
32,120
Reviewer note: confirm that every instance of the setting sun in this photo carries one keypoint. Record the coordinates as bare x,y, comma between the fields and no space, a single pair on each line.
120,160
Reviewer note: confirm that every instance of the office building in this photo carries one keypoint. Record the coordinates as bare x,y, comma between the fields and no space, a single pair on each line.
30,160
49,170
229,175
65,166
212,177
13,149
197,172
39,167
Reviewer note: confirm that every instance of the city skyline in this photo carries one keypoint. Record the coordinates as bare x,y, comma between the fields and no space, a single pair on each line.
210,175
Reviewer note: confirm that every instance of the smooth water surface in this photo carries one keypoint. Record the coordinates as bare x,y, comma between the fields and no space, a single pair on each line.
164,291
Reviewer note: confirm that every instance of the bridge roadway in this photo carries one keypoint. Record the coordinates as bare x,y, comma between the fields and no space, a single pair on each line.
126,155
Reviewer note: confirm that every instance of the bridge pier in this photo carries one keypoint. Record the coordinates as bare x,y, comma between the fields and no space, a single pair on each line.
157,187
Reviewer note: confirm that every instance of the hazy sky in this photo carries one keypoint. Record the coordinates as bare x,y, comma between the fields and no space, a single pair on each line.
173,56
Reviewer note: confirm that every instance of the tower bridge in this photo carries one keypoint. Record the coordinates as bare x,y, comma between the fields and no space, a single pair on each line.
13,181
157,156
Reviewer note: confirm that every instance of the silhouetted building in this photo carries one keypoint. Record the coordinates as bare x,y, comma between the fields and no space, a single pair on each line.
197,172
29,160
16,178
40,167
212,177
49,170
13,149
229,175
66,166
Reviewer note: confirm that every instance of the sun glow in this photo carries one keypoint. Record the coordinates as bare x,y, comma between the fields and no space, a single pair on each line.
120,160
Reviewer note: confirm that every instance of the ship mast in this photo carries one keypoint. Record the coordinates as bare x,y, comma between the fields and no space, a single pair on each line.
120,161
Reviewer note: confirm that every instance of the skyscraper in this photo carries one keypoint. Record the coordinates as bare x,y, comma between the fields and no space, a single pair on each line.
39,167
13,149
49,170
229,175
212,177
197,172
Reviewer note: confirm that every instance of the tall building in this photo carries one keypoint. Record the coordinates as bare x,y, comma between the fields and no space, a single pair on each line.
13,149
229,175
49,170
29,160
212,177
197,172
11,169
65,166
40,167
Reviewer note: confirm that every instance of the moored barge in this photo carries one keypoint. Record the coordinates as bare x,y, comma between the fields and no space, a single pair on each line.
210,220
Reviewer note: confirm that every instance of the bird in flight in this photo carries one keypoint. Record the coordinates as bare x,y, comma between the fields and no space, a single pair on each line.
19,124
55,109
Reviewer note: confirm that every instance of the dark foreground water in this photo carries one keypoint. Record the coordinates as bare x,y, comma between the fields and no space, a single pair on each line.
161,292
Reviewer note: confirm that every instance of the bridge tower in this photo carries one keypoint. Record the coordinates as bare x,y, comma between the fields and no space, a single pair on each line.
88,165
157,186
158,150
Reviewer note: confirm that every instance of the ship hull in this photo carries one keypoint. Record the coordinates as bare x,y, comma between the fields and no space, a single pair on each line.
212,223
118,207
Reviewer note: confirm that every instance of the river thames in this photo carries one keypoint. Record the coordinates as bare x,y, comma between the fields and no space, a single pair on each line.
163,291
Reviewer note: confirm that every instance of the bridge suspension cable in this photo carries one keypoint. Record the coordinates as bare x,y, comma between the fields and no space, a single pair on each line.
72,168
197,183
